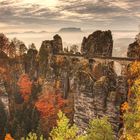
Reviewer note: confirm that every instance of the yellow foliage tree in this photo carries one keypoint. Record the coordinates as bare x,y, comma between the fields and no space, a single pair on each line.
131,116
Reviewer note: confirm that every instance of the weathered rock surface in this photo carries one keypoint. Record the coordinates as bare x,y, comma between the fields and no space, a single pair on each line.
53,46
4,96
47,49
134,48
98,90
99,43
57,44
106,93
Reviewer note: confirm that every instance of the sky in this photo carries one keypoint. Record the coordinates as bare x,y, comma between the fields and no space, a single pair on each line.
51,15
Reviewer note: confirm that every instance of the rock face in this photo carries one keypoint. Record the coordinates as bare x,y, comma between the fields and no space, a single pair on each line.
98,96
57,44
134,50
4,96
53,46
99,43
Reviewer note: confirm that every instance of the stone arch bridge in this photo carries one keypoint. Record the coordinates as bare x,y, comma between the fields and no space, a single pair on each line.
121,62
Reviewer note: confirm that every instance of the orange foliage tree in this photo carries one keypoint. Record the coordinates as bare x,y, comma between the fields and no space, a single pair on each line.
48,105
25,86
8,137
124,106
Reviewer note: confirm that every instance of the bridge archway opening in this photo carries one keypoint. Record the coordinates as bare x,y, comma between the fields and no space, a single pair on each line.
118,68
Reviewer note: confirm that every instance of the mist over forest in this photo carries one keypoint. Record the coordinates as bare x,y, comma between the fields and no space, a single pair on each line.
121,39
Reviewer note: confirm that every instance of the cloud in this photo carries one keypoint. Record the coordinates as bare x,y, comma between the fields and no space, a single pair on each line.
59,13
108,12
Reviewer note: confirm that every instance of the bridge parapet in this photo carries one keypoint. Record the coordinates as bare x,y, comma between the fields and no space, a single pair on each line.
120,63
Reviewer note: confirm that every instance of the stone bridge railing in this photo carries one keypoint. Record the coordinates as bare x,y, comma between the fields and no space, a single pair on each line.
100,58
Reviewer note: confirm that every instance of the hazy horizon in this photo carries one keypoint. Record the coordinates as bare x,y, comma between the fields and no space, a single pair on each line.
121,39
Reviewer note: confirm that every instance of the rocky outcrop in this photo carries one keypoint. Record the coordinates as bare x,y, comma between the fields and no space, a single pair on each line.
4,96
57,44
53,46
134,48
99,43
97,88
98,96
47,49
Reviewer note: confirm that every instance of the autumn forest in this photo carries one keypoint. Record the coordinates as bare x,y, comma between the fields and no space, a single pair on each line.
57,93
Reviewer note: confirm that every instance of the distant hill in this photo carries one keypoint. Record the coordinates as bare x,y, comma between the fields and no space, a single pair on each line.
32,32
10,33
28,32
43,32
70,29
